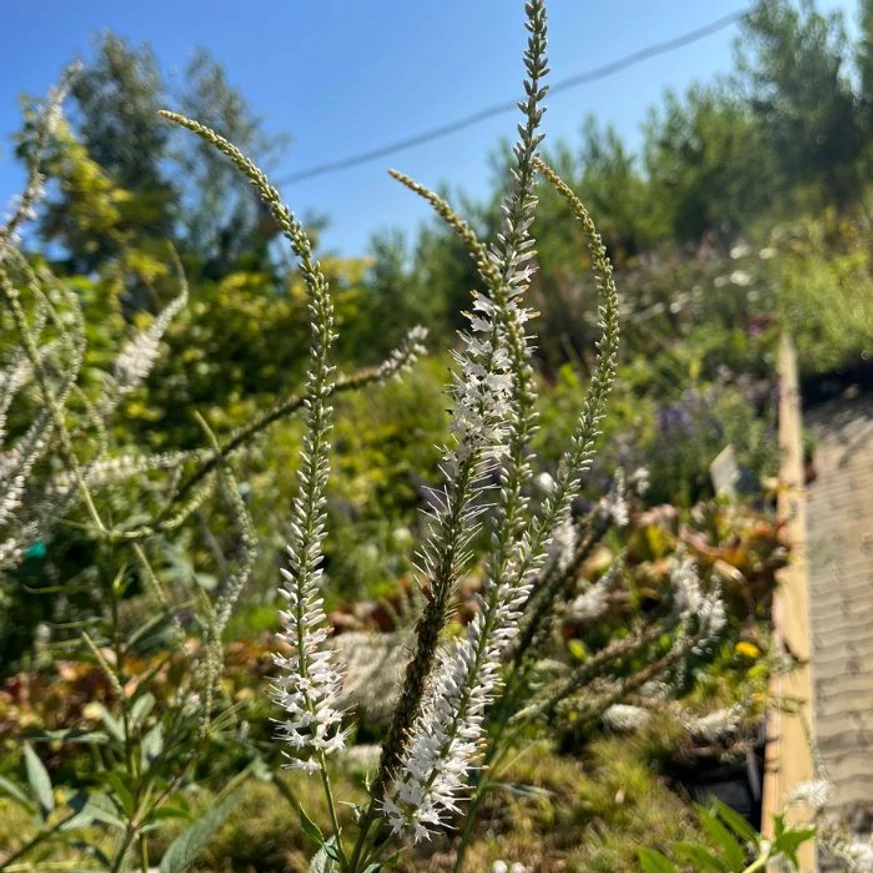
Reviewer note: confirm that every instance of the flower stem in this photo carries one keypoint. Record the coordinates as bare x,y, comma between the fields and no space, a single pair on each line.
331,806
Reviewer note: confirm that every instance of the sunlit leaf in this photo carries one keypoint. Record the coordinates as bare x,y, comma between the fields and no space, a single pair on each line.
40,783
188,845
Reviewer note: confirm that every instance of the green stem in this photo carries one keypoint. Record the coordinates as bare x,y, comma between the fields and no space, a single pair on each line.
331,807
118,863
122,702
143,854
280,410
363,831
758,864
469,822
129,757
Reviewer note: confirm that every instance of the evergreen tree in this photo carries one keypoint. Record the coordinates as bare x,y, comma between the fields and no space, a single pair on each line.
792,65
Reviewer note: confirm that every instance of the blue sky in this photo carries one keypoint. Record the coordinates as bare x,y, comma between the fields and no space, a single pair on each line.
343,76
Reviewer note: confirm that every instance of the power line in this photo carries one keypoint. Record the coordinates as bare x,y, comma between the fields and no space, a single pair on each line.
585,78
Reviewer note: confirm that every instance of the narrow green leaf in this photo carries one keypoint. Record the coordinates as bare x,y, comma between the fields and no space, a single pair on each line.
155,626
310,828
655,862
112,724
733,852
390,861
139,712
15,791
122,793
736,822
40,783
188,845
701,857
167,812
522,790
152,745
71,735
91,807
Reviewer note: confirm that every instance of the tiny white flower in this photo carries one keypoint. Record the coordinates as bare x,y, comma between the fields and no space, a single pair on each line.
640,481
614,505
545,483
814,793
564,545
741,278
590,605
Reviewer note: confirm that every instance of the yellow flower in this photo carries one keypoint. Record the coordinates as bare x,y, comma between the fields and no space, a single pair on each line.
748,650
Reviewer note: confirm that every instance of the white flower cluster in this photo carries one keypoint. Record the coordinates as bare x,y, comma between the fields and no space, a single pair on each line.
814,793
309,685
406,354
563,545
655,690
591,604
138,356
10,552
715,725
108,470
446,738
481,387
12,380
640,481
17,464
23,208
694,605
622,717
614,505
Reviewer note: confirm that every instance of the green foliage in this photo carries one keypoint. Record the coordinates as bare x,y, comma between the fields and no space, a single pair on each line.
822,279
125,179
183,851
738,848
706,162
793,60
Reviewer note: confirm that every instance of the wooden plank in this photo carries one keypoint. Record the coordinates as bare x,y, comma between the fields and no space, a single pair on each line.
788,760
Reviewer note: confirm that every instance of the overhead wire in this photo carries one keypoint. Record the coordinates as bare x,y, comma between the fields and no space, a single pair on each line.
584,78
